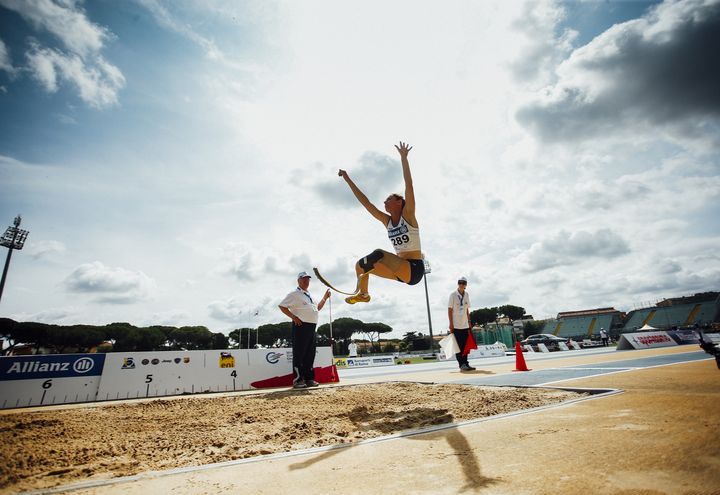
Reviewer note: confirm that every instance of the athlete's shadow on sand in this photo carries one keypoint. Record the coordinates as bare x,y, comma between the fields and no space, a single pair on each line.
388,422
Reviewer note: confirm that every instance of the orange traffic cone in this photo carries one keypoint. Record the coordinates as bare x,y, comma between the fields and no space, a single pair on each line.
519,358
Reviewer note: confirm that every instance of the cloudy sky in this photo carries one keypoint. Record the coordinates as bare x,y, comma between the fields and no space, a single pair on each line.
176,162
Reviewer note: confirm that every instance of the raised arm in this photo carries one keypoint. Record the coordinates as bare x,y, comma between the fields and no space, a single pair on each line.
379,215
409,210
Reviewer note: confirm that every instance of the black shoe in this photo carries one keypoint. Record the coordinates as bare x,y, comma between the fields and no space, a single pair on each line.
300,384
311,383
466,367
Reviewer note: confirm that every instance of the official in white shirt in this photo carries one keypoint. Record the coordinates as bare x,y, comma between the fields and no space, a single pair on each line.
299,306
459,317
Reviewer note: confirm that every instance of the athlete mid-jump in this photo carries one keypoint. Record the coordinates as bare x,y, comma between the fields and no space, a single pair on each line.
407,265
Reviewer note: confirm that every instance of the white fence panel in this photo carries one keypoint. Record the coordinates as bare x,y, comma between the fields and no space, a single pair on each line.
49,379
66,378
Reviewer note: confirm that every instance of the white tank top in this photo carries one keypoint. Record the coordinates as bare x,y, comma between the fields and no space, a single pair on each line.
404,236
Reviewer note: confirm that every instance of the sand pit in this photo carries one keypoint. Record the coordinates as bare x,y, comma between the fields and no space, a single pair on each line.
49,448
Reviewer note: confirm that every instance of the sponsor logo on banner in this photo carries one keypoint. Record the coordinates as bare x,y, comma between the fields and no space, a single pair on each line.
650,340
50,366
273,357
227,360
684,336
365,362
128,363
645,340
396,231
177,360
145,362
186,360
492,350
155,361
358,362
83,365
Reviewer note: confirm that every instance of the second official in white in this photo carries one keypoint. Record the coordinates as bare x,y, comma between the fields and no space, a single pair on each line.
459,316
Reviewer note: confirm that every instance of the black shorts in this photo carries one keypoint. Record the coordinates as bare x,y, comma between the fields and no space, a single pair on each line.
417,271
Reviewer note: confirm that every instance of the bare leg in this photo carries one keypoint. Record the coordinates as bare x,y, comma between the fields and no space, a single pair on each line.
393,267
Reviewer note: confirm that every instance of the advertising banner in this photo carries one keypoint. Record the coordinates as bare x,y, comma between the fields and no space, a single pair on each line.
61,379
155,374
644,340
49,379
364,362
683,337
485,351
150,374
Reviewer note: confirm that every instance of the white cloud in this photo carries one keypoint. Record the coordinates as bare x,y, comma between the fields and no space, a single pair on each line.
656,71
112,285
376,174
5,61
43,249
65,119
80,62
98,82
173,317
569,248
241,312
65,20
654,278
542,47
237,260
167,20
52,315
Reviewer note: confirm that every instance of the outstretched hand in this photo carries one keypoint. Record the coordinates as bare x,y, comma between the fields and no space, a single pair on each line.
343,174
403,149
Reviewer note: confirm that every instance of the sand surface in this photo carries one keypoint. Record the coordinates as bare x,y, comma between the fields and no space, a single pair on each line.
52,447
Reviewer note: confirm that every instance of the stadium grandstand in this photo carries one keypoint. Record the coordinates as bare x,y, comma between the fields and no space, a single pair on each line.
699,309
585,323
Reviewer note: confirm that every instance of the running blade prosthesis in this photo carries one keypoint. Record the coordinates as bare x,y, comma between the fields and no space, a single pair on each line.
328,284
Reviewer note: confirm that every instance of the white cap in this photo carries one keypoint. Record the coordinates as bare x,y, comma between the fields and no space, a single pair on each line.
303,275
462,279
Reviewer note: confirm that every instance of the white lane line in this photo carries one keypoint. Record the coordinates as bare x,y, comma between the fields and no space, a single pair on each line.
595,369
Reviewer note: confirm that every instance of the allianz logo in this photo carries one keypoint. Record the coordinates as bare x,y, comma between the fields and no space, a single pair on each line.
82,365
402,229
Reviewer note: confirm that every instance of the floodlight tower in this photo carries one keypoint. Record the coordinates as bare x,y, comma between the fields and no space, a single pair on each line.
13,238
426,263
